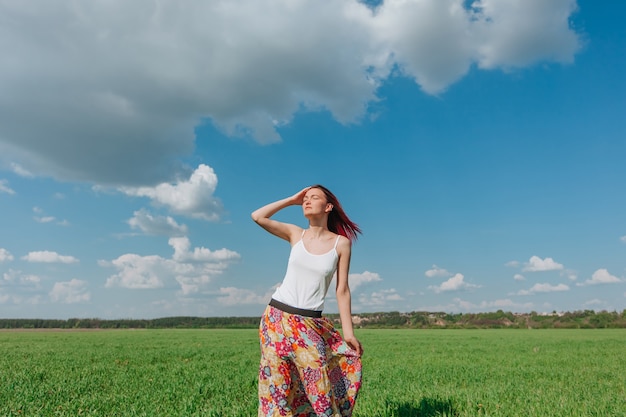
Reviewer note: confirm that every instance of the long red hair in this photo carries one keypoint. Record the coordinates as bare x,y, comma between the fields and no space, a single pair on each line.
338,220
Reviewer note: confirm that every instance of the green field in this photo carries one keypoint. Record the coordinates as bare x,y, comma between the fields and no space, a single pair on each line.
508,373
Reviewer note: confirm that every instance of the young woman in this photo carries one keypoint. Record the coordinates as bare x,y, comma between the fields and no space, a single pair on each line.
307,369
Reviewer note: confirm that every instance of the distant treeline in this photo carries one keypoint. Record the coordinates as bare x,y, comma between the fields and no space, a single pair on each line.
587,319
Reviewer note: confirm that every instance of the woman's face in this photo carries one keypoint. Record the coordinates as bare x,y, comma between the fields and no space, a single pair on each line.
315,202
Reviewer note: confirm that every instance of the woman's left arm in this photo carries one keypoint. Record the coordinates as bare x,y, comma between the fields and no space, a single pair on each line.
344,300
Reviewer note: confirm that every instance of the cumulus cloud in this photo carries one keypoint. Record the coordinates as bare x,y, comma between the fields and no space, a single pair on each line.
623,239
192,197
456,283
5,255
512,264
70,292
192,270
121,85
519,277
601,276
544,288
49,257
4,187
182,252
435,271
357,280
156,225
536,264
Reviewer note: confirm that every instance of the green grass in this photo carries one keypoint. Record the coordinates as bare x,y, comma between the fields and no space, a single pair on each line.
427,373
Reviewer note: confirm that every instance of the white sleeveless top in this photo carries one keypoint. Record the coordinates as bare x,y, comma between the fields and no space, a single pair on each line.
307,278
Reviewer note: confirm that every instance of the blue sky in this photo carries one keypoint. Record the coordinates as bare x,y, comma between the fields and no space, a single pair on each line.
480,146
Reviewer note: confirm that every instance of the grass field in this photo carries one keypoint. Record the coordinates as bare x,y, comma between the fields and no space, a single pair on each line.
507,373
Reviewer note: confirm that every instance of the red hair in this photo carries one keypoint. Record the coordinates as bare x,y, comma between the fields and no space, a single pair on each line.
338,220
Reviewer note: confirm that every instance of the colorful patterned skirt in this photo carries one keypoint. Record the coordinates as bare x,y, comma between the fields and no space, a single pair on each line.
307,369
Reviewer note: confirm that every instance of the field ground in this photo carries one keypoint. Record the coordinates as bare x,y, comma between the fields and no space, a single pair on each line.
505,373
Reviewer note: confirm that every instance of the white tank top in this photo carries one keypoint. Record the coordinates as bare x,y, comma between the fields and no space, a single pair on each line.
307,278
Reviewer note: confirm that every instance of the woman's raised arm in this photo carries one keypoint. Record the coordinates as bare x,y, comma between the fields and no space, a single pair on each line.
262,216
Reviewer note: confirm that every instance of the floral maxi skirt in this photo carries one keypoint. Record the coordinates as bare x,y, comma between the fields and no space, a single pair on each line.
307,369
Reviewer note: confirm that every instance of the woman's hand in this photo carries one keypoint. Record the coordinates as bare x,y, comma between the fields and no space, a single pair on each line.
298,198
354,343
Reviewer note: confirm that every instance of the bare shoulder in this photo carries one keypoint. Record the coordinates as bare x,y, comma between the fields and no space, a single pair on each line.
344,246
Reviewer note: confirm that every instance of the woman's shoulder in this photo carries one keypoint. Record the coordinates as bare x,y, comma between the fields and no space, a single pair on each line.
343,244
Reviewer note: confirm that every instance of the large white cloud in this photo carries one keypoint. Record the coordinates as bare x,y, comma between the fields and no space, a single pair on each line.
193,197
111,91
601,276
190,269
357,280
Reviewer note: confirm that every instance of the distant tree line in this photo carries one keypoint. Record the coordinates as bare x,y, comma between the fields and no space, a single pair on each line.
585,319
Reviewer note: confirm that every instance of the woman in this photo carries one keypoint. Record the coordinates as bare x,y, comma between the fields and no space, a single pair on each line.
307,369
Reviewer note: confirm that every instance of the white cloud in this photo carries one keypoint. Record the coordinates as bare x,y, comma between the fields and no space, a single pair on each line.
5,255
19,170
248,66
357,280
18,288
456,283
4,187
594,302
512,264
192,197
49,257
601,276
435,271
156,225
518,33
137,272
500,304
70,292
460,305
41,218
379,298
570,274
230,296
536,264
623,239
519,277
44,219
191,270
544,288
182,252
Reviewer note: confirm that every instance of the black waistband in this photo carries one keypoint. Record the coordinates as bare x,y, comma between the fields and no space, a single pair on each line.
293,310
